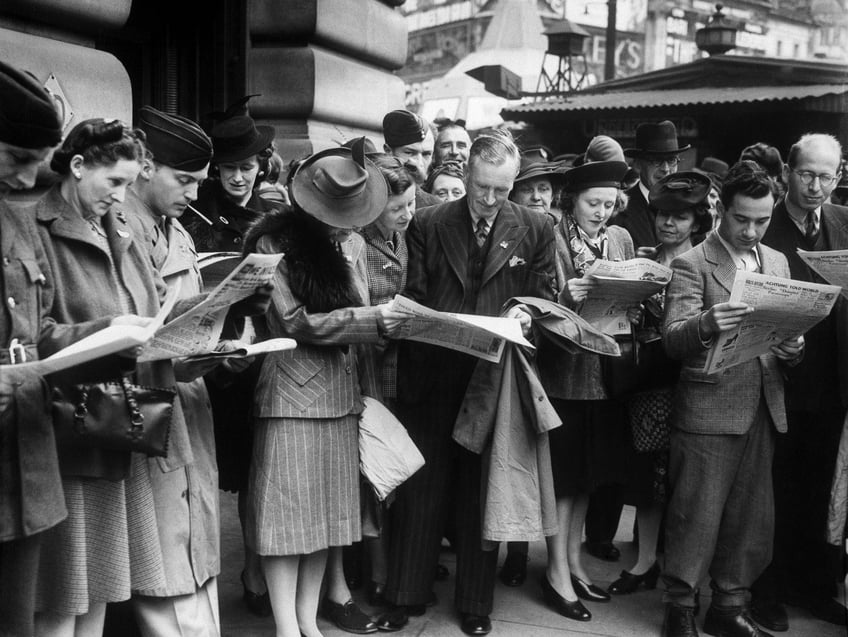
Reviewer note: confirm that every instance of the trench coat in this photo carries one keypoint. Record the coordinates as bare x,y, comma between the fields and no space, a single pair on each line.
188,497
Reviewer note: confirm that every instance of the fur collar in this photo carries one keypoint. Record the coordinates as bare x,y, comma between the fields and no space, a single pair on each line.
319,274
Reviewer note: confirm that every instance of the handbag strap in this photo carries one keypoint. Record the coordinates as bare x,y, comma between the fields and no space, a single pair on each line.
136,417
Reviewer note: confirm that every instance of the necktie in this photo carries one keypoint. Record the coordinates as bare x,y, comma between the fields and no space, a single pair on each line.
481,232
811,230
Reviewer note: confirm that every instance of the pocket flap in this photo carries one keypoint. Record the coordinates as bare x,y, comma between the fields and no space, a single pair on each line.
300,371
33,271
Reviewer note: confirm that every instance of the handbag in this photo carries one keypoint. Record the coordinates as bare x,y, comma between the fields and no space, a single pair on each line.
642,365
648,413
116,416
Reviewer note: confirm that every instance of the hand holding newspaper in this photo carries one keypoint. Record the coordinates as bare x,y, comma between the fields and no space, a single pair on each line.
249,349
480,336
618,286
783,308
831,265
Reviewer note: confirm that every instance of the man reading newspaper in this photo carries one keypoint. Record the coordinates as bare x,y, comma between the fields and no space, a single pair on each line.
721,510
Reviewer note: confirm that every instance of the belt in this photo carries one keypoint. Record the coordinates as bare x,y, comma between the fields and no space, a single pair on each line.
18,353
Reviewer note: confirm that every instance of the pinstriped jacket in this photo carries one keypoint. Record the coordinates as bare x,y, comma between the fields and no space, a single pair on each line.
320,377
726,402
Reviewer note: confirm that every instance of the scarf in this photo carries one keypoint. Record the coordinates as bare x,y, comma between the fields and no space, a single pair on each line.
583,253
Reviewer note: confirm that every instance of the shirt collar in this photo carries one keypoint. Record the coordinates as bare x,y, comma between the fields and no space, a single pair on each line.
749,261
799,215
644,190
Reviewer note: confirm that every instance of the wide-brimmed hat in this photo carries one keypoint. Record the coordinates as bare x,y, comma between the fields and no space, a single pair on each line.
608,174
238,138
531,168
680,191
656,139
341,187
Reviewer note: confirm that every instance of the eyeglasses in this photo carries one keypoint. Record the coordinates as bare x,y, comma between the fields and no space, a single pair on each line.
657,162
807,177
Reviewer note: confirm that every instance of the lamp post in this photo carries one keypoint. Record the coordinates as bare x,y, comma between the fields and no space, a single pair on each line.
719,36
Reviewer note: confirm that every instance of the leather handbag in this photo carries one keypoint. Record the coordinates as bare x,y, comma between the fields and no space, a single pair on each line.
116,416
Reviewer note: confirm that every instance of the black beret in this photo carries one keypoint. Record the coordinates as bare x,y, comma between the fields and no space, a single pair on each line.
595,174
28,117
402,127
175,141
680,191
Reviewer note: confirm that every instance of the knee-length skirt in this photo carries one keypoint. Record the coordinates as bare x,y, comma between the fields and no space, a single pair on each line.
304,485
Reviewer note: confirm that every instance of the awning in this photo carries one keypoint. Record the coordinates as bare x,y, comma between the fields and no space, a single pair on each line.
677,97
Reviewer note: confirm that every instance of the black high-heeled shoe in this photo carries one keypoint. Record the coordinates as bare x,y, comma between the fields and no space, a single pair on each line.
257,603
572,610
589,592
628,582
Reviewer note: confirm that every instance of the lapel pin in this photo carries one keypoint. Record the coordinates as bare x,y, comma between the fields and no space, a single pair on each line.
123,234
515,261
387,265
504,245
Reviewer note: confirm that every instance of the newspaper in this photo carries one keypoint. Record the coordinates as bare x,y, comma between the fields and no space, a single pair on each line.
783,308
197,331
216,266
480,336
831,265
243,350
618,286
109,340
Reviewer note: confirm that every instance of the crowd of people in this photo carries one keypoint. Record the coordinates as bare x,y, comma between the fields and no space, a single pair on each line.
730,473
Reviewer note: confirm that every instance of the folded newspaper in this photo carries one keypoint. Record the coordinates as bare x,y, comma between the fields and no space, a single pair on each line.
831,265
243,350
618,286
783,308
480,336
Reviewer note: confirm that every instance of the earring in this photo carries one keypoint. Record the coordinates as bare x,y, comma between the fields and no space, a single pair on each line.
77,175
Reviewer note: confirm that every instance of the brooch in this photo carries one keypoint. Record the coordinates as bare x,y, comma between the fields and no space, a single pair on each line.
123,234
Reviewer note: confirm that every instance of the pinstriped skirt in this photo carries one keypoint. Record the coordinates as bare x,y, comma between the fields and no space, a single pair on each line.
304,485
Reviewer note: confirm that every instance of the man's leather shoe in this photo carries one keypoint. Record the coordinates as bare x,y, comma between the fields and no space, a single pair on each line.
606,551
589,592
348,617
571,610
514,569
679,622
475,624
393,619
770,614
731,622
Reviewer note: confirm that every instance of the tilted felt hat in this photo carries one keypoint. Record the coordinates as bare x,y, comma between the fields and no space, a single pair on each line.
603,148
341,187
680,191
238,138
715,165
531,168
596,174
402,127
656,139
175,141
766,156
370,147
28,117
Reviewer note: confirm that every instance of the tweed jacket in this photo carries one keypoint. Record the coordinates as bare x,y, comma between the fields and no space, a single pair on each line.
519,262
637,218
320,377
187,499
85,290
726,402
812,384
576,376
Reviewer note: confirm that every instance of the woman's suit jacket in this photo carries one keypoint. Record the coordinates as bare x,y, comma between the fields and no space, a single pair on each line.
726,402
576,376
320,377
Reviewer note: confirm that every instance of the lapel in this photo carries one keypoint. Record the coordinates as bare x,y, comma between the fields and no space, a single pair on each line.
65,222
505,237
769,259
8,237
724,270
834,226
375,239
452,231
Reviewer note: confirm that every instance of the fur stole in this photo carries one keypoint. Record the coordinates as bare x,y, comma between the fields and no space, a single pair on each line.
319,274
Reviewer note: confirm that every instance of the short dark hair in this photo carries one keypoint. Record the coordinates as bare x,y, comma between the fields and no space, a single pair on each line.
746,178
451,168
100,143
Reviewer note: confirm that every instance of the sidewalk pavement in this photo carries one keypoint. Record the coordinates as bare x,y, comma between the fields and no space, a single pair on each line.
519,612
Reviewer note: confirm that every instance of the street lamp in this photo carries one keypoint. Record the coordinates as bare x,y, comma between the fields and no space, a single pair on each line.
719,36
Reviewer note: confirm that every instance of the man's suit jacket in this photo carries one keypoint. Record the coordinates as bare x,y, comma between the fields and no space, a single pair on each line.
726,402
519,262
807,380
638,219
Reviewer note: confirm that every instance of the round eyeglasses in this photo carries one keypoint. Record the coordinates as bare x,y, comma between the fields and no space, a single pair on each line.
807,177
656,162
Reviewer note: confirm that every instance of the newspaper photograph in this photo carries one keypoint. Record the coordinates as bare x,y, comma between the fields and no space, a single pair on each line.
618,286
831,265
783,308
198,330
480,336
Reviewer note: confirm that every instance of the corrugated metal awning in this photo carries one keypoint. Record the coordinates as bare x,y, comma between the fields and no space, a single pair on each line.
676,97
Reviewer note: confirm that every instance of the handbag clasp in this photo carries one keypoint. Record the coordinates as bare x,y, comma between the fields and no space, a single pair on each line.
17,352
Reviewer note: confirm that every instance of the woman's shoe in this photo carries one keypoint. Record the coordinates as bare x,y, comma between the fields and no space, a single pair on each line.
589,592
628,582
258,604
571,610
